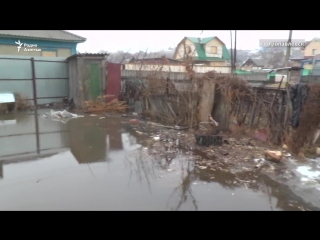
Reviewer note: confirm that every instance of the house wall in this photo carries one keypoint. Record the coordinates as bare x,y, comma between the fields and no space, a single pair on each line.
251,68
218,64
62,49
315,44
180,49
214,43
296,63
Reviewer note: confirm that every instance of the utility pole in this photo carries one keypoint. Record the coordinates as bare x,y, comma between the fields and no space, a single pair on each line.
235,51
231,52
288,49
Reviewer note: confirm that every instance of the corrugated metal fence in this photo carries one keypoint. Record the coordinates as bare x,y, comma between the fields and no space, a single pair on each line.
29,134
42,80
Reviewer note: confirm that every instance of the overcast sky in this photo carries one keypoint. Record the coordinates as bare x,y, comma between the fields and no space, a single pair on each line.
154,40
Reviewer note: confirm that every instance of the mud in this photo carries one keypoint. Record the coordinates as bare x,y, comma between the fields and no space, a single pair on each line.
107,162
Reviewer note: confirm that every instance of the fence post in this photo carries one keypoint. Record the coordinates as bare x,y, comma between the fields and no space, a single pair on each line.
34,82
35,104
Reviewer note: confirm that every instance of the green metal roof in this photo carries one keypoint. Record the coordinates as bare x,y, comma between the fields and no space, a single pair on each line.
199,44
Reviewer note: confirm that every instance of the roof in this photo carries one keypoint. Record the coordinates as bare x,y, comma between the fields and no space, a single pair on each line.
297,59
258,61
199,44
286,68
53,35
101,55
153,59
306,43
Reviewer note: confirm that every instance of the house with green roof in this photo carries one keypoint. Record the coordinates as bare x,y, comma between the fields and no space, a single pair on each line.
46,43
209,51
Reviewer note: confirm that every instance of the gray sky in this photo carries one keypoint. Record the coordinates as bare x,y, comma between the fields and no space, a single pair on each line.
154,40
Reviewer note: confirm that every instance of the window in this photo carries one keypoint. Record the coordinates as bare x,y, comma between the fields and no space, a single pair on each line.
49,54
188,49
213,50
314,51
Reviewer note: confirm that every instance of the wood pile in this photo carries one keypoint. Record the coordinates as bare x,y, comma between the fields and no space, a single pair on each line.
100,105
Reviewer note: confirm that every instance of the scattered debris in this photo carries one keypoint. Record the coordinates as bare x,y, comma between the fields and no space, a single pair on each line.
208,140
224,152
101,117
134,121
274,156
140,132
318,151
260,162
62,116
202,167
100,105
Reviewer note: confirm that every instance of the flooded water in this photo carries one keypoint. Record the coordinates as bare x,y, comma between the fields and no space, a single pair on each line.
96,163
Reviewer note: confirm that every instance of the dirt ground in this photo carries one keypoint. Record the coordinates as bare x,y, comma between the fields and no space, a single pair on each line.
238,151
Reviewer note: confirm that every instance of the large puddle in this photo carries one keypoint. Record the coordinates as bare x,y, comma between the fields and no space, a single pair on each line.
95,163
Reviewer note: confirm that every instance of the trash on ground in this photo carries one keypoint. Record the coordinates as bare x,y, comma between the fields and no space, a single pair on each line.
260,162
140,132
102,118
62,116
202,167
274,156
318,151
316,136
93,115
208,139
134,121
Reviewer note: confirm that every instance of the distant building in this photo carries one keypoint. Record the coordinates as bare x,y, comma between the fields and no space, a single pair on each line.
311,48
254,64
311,66
210,51
46,43
309,51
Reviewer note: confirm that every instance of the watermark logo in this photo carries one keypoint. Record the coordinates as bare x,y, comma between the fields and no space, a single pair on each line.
20,44
27,47
298,43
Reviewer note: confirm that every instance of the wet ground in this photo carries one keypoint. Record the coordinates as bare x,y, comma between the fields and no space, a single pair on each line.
107,163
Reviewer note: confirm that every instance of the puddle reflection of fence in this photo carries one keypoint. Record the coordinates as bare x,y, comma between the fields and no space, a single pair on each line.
89,139
1,170
24,134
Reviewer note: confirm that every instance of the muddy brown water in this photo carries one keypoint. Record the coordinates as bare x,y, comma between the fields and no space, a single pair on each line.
103,163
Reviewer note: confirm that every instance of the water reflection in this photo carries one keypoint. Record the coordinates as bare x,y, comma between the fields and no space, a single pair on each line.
24,136
130,171
1,170
87,140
